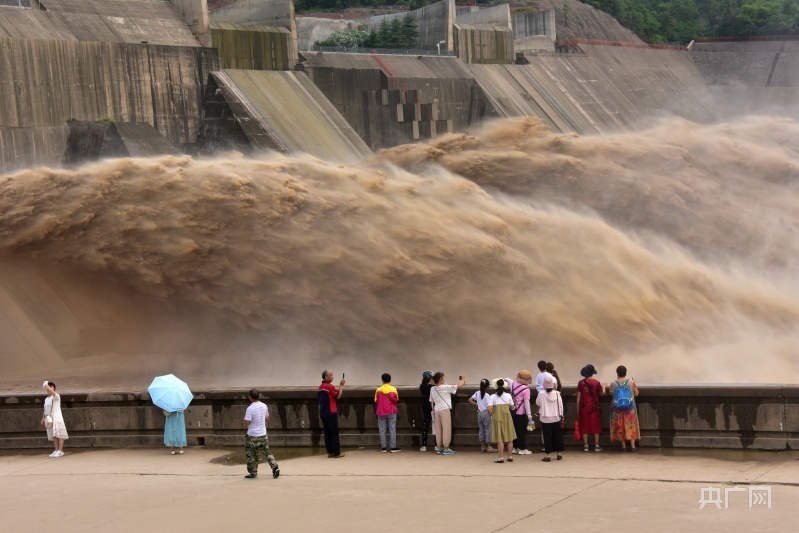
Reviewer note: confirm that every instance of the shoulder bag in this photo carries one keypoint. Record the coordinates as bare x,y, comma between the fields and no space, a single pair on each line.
48,420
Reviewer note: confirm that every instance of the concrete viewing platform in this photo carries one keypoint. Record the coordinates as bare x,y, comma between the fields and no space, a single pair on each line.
137,489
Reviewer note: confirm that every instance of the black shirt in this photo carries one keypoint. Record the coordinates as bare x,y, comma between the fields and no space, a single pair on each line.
424,388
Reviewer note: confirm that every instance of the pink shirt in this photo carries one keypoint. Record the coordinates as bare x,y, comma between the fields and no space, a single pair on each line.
522,393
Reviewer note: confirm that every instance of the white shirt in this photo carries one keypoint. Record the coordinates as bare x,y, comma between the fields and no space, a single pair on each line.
482,403
441,396
539,381
505,399
256,414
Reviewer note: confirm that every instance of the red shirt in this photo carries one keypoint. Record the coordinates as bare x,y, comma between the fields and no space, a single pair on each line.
332,392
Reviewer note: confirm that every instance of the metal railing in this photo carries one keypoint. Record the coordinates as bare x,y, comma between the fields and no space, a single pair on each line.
576,42
748,38
380,51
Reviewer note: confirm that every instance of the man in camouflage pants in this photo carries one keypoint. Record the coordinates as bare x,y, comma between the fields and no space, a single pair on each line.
256,442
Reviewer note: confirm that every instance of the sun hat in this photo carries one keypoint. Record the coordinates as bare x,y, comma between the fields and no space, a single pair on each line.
525,375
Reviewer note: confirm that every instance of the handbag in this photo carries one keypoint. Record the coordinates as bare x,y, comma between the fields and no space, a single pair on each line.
48,419
562,422
577,435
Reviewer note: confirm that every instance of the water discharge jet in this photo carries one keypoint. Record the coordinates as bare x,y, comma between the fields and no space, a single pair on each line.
671,249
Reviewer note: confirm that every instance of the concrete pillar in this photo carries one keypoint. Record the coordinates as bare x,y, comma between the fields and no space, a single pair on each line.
195,15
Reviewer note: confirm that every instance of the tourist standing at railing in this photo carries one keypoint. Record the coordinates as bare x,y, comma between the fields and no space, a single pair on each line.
588,415
542,374
386,400
623,410
53,420
175,431
521,412
550,408
441,400
502,431
328,396
480,399
427,408
554,373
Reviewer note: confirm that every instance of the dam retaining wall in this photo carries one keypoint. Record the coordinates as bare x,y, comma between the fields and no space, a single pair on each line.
711,416
752,77
48,83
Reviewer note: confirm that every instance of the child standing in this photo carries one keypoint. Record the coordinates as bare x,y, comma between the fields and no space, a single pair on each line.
480,399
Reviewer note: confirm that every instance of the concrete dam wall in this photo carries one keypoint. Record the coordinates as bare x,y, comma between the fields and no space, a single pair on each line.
284,111
434,22
608,88
751,77
604,89
735,417
245,46
113,21
352,83
48,83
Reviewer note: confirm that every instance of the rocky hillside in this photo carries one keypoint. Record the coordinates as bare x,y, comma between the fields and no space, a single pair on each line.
577,20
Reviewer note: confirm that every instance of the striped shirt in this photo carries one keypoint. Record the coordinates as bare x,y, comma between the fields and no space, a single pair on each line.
256,414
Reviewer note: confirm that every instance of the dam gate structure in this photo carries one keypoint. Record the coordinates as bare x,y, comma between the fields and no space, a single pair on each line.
157,57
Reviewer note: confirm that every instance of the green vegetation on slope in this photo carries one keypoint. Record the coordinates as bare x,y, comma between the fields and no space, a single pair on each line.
661,21
655,21
399,33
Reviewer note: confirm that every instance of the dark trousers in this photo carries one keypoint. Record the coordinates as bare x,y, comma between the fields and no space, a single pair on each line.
427,422
553,437
330,426
520,425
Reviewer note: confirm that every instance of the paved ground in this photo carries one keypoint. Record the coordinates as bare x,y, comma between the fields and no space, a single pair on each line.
149,490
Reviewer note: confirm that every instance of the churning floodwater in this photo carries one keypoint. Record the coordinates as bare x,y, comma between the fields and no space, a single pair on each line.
672,250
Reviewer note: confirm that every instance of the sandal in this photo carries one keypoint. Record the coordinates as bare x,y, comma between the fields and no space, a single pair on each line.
547,459
559,457
499,460
510,459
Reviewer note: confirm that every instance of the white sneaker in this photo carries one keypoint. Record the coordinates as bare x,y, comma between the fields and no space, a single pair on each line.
525,452
423,449
515,451
59,454
54,454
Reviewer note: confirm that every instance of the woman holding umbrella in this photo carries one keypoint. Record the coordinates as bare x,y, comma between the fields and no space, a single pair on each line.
173,396
175,431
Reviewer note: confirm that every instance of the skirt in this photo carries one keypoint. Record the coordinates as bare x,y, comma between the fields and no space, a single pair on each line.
502,424
624,425
59,429
175,430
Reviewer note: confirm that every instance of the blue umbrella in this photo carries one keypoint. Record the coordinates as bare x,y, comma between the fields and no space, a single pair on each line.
169,393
